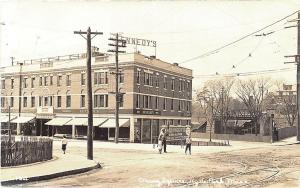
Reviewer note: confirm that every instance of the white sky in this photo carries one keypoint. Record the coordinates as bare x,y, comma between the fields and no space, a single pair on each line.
183,30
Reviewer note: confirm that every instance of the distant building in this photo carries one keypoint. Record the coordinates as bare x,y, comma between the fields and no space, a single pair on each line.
52,96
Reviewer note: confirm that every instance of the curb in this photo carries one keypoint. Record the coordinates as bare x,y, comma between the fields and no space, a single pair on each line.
49,176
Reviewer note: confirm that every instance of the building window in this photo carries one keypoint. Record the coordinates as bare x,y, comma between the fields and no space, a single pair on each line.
173,84
24,101
179,122
32,101
50,101
32,82
25,82
41,81
179,105
40,101
148,79
188,106
82,101
12,82
82,79
100,101
58,101
157,81
165,104
137,104
59,78
188,85
146,101
68,101
156,102
3,84
172,104
181,85
68,80
51,80
138,77
100,78
46,81
2,102
11,101
165,82
46,101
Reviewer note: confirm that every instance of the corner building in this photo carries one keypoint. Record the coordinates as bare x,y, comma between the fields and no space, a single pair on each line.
54,98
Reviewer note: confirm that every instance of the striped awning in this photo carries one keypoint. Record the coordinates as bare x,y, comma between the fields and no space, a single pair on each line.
84,121
4,119
58,121
111,123
23,119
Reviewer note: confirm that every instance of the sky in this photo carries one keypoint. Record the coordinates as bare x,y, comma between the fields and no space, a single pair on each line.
183,30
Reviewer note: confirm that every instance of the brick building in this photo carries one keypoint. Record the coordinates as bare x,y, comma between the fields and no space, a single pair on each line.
54,101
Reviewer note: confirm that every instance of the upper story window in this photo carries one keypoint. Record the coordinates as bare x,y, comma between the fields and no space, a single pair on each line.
157,80
82,79
121,100
32,101
148,79
32,82
2,101
41,81
12,83
58,101
100,101
68,80
172,104
24,101
59,80
137,102
138,77
46,81
25,82
165,104
100,78
51,80
165,82
68,100
173,84
82,101
156,102
3,84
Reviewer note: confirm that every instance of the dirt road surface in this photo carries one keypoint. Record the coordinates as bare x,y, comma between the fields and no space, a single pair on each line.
273,166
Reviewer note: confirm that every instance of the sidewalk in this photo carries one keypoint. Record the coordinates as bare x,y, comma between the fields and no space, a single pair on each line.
60,165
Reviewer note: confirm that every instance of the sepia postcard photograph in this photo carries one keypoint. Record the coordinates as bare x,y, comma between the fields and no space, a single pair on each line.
150,93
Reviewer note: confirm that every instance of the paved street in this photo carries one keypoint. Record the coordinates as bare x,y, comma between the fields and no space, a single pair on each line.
139,165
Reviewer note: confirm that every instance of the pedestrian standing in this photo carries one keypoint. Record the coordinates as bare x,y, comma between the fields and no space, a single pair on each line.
159,143
164,142
188,142
64,143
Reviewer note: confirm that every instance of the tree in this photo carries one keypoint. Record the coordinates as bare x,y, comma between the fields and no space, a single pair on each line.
215,97
252,93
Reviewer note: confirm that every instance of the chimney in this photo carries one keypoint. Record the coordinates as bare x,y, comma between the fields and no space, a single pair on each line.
175,64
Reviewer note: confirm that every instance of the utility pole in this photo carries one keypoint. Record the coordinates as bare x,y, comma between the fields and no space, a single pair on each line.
222,109
88,38
297,61
118,43
20,99
212,117
12,61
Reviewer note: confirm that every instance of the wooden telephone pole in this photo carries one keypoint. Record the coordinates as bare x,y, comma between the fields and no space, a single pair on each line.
118,43
297,61
88,38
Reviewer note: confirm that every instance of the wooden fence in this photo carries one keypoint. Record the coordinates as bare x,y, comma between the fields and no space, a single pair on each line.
25,150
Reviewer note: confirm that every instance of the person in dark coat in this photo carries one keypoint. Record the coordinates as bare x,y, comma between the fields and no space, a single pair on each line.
164,139
64,143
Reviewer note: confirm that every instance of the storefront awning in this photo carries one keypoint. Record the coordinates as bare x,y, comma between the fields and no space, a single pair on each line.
84,121
111,123
58,121
23,119
4,119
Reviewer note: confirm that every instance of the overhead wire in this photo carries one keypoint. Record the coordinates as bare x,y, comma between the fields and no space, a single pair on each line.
238,40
